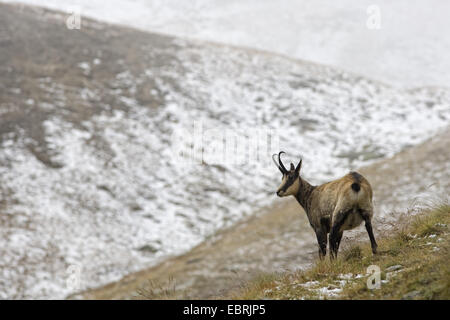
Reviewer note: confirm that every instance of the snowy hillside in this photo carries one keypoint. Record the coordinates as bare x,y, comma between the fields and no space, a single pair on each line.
89,172
410,49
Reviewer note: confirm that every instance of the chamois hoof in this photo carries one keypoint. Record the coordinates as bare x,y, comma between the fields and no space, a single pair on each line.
374,250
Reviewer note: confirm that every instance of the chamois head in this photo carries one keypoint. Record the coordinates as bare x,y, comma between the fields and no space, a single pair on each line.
290,180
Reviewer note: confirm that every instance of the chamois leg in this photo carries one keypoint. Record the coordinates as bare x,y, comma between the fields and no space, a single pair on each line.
339,238
322,240
322,236
366,216
336,233
335,241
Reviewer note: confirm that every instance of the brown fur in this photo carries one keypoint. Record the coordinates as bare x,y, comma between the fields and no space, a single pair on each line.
332,207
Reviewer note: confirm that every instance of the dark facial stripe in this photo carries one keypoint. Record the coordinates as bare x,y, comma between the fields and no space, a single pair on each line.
288,183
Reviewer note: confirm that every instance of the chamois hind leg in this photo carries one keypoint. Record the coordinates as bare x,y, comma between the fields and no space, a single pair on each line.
367,219
335,241
336,233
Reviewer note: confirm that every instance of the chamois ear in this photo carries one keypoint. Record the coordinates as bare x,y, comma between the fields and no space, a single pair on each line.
298,166
292,166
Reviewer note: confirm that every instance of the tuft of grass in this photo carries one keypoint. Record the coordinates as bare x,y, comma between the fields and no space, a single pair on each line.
352,254
431,224
414,264
157,290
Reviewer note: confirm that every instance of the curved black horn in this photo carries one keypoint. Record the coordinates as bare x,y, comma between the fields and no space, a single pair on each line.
280,162
275,161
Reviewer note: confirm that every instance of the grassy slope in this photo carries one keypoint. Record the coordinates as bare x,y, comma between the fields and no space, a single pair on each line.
414,263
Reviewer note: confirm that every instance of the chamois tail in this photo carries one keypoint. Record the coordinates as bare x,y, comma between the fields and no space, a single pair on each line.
356,187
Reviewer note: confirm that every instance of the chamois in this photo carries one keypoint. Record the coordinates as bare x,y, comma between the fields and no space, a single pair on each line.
332,207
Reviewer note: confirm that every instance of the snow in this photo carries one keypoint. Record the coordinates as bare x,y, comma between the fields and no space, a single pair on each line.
328,292
410,48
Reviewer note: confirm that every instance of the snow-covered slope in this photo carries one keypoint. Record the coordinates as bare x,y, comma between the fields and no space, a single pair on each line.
410,49
90,175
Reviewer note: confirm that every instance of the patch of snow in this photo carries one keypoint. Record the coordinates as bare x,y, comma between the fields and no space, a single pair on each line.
310,284
394,268
328,291
86,67
409,49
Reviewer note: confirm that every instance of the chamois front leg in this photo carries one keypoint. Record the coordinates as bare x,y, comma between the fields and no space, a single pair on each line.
322,240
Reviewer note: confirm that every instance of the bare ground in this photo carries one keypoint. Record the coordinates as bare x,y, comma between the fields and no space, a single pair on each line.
279,238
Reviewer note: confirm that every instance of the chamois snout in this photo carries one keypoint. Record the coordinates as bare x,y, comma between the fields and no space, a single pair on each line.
281,190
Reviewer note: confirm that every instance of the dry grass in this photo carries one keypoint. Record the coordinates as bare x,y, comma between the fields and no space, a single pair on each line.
414,264
156,290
